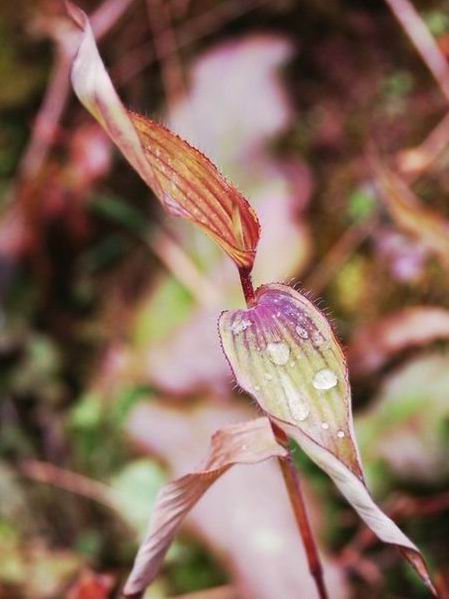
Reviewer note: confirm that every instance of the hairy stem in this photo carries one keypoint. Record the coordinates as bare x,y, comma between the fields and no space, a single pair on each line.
296,496
247,286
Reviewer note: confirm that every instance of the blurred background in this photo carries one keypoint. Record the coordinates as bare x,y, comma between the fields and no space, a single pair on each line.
332,118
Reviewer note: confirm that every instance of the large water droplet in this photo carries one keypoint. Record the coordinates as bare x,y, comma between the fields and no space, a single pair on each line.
325,425
340,434
325,379
302,332
238,326
279,353
296,402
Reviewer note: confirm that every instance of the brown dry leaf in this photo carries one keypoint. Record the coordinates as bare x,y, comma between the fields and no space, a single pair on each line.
247,443
270,543
378,342
186,183
283,352
428,226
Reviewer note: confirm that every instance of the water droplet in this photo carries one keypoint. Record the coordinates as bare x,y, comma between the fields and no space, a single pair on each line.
340,434
279,353
238,326
268,376
296,402
317,338
325,379
302,332
325,425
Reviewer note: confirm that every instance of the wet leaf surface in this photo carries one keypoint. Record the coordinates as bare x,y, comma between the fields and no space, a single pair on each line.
284,353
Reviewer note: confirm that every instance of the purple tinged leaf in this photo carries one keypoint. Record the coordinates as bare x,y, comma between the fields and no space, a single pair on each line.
284,353
246,443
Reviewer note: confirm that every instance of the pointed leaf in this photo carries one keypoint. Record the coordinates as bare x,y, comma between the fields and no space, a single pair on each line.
186,183
283,351
246,443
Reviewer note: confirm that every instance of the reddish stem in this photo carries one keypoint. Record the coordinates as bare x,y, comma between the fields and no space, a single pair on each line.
296,496
290,475
247,286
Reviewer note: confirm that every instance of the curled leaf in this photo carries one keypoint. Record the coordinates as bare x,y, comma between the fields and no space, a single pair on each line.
246,443
283,351
186,183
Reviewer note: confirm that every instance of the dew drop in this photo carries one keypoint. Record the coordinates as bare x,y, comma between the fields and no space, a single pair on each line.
325,425
302,332
279,353
296,403
324,379
317,338
238,326
340,434
268,376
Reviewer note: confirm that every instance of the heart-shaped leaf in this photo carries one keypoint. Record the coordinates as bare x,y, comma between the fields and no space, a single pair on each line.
186,183
246,443
284,353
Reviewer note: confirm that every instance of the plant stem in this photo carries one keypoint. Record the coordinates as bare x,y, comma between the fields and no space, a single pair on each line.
247,286
296,496
290,475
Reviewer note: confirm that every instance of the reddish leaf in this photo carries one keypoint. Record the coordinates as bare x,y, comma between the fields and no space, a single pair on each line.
284,353
246,443
187,184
